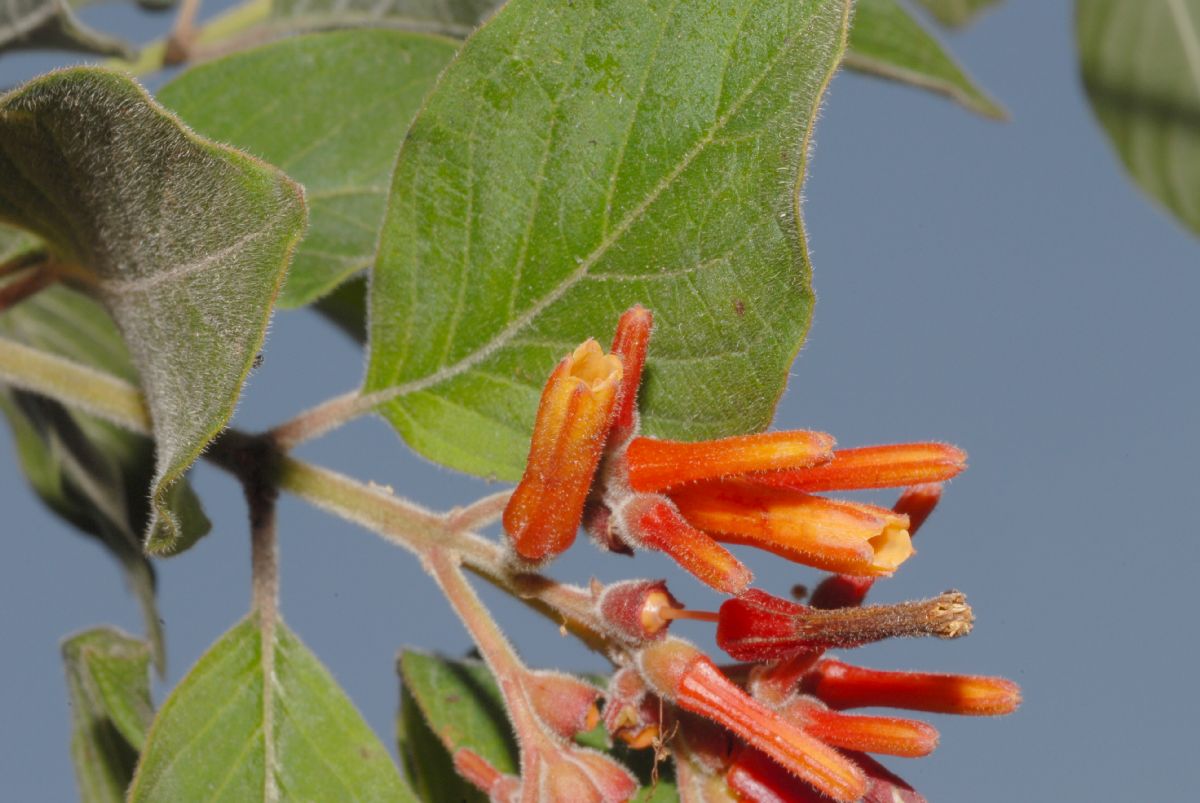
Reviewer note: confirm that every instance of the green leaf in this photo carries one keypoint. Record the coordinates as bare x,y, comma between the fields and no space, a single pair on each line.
1141,69
462,704
316,107
346,308
52,25
228,733
956,13
577,158
88,471
426,761
448,17
109,687
886,40
14,243
185,241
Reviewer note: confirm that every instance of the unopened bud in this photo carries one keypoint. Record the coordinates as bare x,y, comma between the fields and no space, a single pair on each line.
565,704
587,777
631,714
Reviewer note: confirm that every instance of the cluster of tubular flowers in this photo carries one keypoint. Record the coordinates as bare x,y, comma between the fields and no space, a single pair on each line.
786,704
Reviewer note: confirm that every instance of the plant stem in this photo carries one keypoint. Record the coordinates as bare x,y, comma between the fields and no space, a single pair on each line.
397,520
315,422
479,513
499,656
70,382
183,34
22,287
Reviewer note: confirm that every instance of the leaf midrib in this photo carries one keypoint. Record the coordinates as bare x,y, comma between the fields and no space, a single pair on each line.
579,274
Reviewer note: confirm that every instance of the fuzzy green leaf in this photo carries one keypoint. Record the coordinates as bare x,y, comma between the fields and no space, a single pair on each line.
1141,68
449,17
957,13
88,471
52,25
426,761
185,241
316,107
575,159
260,719
14,243
887,41
109,686
462,704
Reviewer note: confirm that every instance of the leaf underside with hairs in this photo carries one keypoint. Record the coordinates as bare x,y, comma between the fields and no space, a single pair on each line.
88,471
221,732
448,17
185,241
887,41
109,687
1141,68
52,25
315,107
576,159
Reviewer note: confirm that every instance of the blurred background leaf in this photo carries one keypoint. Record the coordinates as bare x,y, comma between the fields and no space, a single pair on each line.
1140,63
109,686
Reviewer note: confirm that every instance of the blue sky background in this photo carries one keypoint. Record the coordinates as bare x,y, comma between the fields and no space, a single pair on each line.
1000,286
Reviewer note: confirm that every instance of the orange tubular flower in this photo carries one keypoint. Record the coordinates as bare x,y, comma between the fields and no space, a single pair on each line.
844,537
572,424
657,464
679,672
842,686
891,466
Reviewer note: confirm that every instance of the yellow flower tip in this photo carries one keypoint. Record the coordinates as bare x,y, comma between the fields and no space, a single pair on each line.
599,372
891,548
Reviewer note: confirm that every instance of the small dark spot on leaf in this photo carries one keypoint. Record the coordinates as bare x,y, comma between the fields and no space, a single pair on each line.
365,752
453,698
258,361
739,307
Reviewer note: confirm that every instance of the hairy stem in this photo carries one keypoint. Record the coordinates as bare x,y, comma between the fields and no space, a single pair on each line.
315,422
499,656
23,286
183,34
258,458
75,384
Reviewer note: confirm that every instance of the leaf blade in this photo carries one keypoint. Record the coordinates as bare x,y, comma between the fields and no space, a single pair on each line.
212,732
109,686
1147,97
695,223
313,105
886,41
186,242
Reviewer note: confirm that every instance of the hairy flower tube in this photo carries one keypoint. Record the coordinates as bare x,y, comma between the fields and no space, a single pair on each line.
687,499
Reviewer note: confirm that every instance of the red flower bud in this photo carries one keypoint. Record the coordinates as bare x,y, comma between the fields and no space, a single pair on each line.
754,777
566,705
841,686
630,343
587,777
631,713
652,522
891,736
483,776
